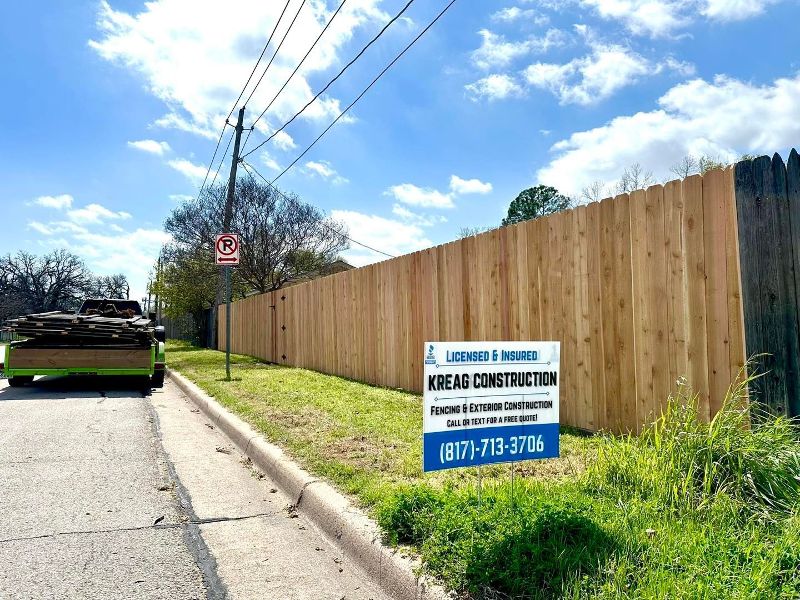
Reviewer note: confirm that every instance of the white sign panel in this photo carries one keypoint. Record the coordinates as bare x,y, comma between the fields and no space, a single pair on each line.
489,402
226,247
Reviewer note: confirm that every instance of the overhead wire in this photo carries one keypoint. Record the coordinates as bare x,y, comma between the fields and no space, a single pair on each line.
373,82
255,66
247,167
246,83
297,68
274,54
213,157
221,161
332,81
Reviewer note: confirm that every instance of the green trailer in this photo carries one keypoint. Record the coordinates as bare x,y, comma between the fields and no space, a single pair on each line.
87,343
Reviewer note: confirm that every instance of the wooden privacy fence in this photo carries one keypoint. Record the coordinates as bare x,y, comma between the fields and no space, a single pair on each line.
641,290
768,201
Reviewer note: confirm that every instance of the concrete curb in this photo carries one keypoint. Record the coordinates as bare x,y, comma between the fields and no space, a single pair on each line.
356,535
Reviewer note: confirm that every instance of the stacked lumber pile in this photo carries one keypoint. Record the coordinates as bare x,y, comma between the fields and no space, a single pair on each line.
68,328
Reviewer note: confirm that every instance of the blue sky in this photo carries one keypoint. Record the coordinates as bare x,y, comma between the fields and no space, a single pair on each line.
110,110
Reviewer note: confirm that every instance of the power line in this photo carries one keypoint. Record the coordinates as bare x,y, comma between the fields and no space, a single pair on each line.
255,66
332,81
211,164
221,161
300,64
247,166
274,54
373,82
297,68
222,132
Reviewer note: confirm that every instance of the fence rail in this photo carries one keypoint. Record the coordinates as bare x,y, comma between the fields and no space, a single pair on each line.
641,290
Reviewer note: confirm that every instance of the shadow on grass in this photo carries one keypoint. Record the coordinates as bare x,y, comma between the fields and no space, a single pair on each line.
538,548
539,556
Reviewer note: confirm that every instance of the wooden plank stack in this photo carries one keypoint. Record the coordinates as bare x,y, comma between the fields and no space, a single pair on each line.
66,328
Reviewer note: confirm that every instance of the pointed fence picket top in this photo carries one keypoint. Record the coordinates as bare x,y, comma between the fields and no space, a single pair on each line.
769,232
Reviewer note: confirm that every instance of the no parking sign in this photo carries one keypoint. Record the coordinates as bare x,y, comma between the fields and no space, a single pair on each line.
227,249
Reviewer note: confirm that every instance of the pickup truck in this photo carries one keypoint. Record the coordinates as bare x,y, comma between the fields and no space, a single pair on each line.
105,336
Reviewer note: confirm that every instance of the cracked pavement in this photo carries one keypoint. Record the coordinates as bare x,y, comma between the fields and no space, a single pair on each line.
106,493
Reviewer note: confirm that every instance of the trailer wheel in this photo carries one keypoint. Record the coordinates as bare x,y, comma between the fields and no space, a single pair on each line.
157,380
20,380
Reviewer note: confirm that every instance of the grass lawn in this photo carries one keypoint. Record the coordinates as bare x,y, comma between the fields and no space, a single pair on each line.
690,511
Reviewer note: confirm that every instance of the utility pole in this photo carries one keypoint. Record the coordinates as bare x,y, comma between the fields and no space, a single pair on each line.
225,277
158,287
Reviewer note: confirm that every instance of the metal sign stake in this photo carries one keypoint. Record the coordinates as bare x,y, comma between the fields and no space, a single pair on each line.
227,323
512,486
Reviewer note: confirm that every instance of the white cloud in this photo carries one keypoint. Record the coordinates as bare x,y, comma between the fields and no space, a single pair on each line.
179,51
174,121
325,170
59,202
151,146
388,235
735,10
408,193
40,227
515,13
656,18
194,172
415,218
692,118
590,78
663,18
494,87
283,141
495,51
270,162
469,186
180,197
95,213
685,69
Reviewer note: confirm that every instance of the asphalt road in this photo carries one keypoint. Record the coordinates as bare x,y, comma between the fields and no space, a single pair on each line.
107,493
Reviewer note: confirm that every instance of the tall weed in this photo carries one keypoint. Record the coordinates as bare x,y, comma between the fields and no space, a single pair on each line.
686,463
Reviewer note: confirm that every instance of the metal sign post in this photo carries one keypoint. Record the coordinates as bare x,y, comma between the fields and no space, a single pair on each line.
227,323
226,248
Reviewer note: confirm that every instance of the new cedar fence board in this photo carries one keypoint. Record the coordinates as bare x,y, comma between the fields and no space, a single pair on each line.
641,290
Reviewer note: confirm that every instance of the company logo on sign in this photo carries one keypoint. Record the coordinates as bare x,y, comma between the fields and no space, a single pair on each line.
430,357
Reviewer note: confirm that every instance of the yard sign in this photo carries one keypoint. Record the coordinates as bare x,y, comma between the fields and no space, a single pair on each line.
489,402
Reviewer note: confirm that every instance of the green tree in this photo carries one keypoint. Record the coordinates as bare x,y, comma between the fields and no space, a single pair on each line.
536,202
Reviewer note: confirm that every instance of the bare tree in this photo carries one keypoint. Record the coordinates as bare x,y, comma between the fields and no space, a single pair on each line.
281,237
688,165
56,281
110,286
634,177
466,232
594,192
